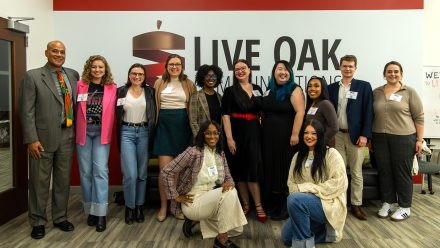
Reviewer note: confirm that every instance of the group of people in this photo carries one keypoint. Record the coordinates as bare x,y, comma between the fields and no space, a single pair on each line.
297,147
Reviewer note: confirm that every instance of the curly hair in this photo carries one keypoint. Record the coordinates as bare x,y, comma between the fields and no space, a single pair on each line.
203,71
166,75
136,65
87,72
200,142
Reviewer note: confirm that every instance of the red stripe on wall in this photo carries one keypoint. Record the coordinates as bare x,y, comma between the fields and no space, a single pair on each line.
232,5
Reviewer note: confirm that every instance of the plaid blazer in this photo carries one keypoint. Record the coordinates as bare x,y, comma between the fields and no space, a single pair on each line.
181,173
199,110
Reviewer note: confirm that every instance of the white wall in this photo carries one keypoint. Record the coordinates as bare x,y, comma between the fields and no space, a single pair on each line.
431,46
41,29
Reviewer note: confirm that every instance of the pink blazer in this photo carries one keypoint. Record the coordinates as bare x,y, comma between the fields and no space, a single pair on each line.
108,113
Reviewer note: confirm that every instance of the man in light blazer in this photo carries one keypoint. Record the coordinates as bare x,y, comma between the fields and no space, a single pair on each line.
47,103
353,102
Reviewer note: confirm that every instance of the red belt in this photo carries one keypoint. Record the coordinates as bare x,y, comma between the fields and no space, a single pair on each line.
245,116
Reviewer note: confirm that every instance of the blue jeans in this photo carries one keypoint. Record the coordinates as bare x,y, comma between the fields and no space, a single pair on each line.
134,157
93,168
307,222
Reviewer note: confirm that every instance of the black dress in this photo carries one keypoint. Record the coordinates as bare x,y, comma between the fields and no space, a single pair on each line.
246,164
277,152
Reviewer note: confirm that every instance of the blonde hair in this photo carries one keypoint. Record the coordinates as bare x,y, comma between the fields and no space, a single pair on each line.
87,72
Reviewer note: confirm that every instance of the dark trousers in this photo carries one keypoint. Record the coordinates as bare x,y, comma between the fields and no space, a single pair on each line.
57,163
394,156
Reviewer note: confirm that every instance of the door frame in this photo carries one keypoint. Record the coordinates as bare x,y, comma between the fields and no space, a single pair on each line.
14,201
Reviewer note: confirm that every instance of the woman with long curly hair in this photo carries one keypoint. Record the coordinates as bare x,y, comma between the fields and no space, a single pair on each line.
96,94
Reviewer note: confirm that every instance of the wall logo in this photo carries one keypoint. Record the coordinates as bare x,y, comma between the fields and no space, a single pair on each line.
150,46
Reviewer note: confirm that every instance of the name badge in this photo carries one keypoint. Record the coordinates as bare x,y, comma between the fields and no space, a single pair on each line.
256,93
308,162
82,98
312,111
121,101
212,171
266,93
167,90
352,95
395,97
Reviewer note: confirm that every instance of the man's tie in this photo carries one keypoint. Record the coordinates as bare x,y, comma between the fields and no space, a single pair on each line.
66,94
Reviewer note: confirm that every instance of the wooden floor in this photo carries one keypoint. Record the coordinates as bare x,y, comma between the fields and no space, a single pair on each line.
5,169
421,230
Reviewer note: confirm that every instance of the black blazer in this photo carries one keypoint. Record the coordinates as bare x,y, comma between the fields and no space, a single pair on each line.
359,110
150,112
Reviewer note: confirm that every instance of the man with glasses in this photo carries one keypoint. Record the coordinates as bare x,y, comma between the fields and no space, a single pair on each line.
353,102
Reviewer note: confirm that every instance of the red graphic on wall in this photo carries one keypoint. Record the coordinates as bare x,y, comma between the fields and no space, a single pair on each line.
151,46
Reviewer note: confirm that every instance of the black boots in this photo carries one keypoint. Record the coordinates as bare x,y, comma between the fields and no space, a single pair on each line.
134,214
129,215
139,213
101,223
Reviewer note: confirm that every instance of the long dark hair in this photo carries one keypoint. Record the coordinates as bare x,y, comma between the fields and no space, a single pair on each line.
324,91
137,65
199,141
320,150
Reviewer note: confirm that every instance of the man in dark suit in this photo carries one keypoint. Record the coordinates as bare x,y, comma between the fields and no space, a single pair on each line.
353,102
47,99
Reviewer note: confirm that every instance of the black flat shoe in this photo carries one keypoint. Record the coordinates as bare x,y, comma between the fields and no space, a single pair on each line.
228,244
186,228
139,213
38,232
91,220
129,215
64,226
101,223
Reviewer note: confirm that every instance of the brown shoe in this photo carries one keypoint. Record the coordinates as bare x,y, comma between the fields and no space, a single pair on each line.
358,212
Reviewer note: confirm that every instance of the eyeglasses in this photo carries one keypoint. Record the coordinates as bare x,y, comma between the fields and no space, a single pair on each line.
174,65
211,133
211,76
134,74
240,69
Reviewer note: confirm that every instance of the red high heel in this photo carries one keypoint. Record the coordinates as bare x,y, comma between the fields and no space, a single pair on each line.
261,215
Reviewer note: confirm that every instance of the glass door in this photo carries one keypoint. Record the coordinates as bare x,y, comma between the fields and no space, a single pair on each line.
13,154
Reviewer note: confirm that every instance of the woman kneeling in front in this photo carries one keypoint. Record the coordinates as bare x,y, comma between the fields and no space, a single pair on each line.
205,188
317,182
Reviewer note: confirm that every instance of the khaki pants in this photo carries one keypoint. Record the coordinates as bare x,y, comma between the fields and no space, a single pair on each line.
353,157
217,212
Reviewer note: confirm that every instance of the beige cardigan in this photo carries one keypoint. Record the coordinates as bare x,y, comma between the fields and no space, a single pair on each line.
188,87
332,192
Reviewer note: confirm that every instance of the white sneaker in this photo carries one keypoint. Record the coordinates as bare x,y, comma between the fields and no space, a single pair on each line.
386,210
401,214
